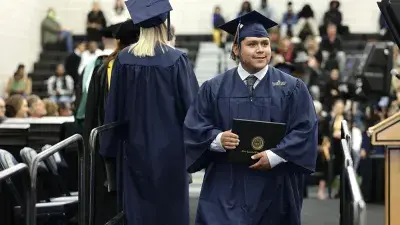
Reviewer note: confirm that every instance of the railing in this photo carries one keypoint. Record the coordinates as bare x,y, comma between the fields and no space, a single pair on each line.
82,204
352,205
20,168
94,134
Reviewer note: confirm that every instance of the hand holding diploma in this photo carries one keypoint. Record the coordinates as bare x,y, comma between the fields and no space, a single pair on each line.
263,161
229,140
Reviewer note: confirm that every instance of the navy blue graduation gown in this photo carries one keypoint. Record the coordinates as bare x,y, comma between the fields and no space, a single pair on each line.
233,194
152,95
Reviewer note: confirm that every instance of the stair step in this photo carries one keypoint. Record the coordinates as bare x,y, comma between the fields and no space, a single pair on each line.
39,87
46,65
39,75
54,56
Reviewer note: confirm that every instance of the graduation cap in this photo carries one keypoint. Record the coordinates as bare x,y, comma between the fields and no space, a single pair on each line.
148,13
252,24
108,32
285,67
126,32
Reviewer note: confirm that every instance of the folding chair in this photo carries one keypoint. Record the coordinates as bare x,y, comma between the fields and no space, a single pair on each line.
46,212
82,203
6,175
48,176
55,163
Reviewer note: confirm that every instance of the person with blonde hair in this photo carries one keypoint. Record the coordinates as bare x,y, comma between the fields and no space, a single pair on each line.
37,108
152,87
51,107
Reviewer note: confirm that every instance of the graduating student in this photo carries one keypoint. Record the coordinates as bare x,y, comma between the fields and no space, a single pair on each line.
270,191
152,86
125,33
91,67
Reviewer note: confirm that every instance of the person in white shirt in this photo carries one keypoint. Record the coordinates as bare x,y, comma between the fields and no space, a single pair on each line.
356,141
60,86
89,55
119,13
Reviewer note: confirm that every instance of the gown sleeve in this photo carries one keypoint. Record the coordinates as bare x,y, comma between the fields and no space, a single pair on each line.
300,144
199,131
114,112
187,85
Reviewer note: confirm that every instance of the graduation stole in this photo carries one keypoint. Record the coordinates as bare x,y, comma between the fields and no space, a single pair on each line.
109,73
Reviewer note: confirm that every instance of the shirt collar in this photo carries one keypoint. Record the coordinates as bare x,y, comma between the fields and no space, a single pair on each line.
244,74
107,51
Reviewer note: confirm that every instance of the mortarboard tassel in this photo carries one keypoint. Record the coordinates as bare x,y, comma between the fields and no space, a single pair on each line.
238,37
169,27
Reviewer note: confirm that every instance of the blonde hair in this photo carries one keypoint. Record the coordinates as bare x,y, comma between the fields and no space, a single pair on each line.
51,107
148,40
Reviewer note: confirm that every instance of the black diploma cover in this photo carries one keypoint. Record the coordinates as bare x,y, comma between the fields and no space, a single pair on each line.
255,137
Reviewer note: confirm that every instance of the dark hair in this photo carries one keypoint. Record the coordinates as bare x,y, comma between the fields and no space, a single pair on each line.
243,4
13,105
306,12
233,56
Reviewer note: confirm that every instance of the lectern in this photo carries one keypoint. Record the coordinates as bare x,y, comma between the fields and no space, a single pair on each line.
387,133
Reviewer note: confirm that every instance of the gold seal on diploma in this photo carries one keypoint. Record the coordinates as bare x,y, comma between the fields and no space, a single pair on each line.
257,143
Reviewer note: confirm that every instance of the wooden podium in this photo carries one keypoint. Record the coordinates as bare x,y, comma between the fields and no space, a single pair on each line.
387,133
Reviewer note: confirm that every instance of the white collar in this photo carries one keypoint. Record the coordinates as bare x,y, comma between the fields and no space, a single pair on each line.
107,51
244,74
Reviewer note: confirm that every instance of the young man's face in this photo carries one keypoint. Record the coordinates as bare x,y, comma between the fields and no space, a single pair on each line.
255,53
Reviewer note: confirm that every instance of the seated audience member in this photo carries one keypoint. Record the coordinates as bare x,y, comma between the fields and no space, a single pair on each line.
219,35
16,107
51,107
334,16
95,23
64,109
74,60
313,50
331,89
331,47
53,33
2,109
304,72
119,13
324,146
274,38
267,10
306,24
286,49
89,55
20,83
246,8
60,86
37,108
288,22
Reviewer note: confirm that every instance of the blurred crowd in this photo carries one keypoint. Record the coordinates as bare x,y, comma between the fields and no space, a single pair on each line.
302,46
